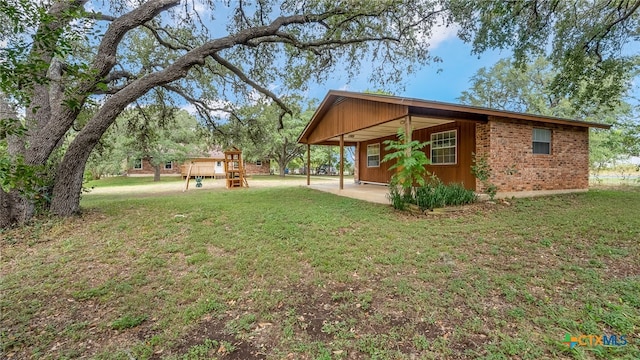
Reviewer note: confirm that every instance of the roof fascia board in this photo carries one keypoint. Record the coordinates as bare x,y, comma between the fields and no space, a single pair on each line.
474,113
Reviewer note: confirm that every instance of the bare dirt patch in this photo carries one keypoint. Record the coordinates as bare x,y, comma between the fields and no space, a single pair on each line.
213,328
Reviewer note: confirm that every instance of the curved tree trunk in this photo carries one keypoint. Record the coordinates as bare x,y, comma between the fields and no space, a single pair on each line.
156,173
68,181
6,210
14,208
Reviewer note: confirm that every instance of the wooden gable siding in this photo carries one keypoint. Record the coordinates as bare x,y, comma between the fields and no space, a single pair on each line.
459,172
354,114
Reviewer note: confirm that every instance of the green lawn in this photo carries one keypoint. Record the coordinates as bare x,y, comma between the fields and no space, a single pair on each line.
294,273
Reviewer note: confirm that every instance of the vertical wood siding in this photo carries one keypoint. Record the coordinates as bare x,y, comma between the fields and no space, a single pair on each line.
466,145
459,172
379,174
354,114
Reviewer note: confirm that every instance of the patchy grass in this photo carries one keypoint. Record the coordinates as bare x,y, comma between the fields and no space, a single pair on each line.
293,273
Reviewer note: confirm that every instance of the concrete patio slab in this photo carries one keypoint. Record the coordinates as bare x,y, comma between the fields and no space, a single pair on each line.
367,192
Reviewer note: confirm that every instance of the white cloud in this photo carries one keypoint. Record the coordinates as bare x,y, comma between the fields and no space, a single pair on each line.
190,108
440,34
201,8
89,7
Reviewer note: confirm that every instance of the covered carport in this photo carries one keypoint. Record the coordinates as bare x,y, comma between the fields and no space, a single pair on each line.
351,119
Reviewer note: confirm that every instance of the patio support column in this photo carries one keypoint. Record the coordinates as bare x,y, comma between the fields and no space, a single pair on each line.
341,161
356,165
308,164
407,133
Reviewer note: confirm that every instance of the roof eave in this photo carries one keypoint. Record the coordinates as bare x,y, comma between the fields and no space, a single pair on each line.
333,94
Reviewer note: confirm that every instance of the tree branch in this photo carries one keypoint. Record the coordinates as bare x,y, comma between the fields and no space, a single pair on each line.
100,17
43,49
103,62
203,109
105,58
117,75
240,74
94,129
624,17
164,43
282,37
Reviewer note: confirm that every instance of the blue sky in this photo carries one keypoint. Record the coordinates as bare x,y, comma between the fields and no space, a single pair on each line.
456,69
442,81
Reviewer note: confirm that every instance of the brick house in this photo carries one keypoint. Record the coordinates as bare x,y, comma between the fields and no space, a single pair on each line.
214,167
528,154
208,166
258,167
143,167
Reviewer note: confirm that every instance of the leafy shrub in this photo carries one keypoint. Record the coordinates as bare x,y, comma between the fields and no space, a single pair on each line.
412,184
437,194
409,168
397,197
482,171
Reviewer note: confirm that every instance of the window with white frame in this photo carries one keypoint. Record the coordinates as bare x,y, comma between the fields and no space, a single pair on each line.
259,163
373,155
168,165
443,147
137,164
541,141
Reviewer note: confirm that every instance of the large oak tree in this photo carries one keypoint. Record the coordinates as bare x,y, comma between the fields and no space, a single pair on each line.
59,55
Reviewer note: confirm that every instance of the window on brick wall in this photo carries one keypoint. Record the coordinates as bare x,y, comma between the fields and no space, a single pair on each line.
541,141
137,164
443,147
373,155
259,163
168,165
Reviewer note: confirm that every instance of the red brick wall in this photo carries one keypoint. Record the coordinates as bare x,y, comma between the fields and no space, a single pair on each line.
250,168
516,168
147,169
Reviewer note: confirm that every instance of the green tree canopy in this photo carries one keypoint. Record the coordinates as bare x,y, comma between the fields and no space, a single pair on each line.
261,133
593,45
152,132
